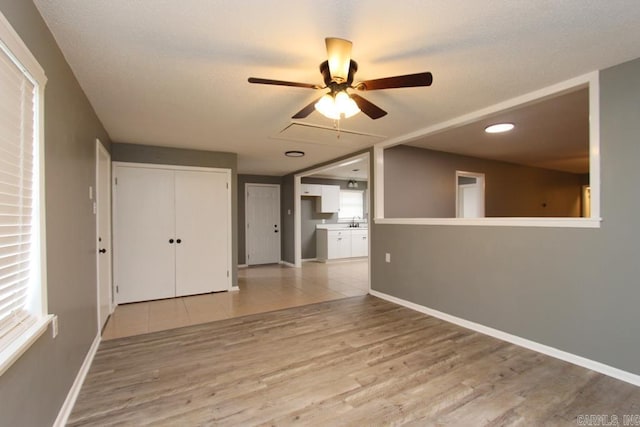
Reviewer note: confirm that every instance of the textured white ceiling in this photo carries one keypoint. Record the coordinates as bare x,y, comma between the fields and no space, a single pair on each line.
174,73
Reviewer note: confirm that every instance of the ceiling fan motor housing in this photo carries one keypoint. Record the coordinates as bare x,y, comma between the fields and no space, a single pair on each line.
336,84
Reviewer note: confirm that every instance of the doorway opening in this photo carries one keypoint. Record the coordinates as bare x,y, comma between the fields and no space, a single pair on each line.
323,231
469,194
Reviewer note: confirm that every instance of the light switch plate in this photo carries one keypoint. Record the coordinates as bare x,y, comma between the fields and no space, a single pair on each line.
387,257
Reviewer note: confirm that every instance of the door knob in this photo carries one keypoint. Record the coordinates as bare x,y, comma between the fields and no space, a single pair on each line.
275,231
170,240
103,251
179,241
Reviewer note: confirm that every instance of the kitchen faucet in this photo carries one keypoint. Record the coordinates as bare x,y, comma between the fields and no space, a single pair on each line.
354,223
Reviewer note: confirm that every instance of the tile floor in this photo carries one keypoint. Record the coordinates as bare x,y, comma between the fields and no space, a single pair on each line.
262,288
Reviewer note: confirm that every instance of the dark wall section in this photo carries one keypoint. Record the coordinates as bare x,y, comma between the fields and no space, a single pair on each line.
572,289
420,183
250,179
287,205
309,218
33,389
134,153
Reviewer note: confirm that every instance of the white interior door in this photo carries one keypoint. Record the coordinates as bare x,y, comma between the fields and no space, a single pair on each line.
262,209
144,233
103,233
202,232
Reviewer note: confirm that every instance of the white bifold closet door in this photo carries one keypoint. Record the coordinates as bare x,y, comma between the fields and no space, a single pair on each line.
201,218
144,222
171,233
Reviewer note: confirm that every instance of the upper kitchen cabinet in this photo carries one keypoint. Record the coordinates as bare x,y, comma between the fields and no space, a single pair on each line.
330,199
311,190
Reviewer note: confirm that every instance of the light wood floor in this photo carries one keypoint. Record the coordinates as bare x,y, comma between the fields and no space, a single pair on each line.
355,361
262,288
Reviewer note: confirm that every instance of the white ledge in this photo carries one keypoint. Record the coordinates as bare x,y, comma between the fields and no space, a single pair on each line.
497,222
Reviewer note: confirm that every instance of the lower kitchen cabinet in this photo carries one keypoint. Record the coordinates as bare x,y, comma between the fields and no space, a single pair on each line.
341,243
359,243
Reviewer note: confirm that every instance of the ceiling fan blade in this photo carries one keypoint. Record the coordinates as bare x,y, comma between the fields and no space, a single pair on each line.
409,80
368,107
339,57
282,83
306,110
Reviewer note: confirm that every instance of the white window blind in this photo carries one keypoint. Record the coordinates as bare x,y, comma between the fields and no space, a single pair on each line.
351,204
17,205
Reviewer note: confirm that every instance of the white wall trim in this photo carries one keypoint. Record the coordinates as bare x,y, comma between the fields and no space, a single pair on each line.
234,288
243,265
70,401
500,222
288,264
519,341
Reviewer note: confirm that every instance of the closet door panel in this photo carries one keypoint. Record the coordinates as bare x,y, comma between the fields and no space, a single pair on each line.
144,267
202,218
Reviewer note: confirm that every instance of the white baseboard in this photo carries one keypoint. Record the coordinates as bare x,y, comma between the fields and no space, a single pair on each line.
288,264
309,259
67,406
235,288
243,265
514,339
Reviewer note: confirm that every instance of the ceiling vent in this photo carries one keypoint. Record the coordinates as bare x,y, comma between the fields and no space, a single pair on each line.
323,135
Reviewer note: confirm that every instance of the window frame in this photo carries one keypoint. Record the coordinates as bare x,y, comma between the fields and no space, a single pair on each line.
12,45
590,80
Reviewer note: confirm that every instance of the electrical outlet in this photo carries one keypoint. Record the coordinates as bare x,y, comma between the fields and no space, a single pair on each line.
387,257
54,326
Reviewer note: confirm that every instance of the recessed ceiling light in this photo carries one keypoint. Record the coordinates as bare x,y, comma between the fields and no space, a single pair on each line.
294,153
499,128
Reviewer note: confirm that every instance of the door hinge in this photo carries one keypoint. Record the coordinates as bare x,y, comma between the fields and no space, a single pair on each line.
116,180
227,185
227,273
117,289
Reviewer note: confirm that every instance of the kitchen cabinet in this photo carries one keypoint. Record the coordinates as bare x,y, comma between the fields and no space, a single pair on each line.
329,202
341,243
359,243
311,190
171,231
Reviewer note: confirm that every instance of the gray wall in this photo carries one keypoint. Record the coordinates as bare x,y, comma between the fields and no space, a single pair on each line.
135,153
420,183
34,388
572,289
309,218
250,179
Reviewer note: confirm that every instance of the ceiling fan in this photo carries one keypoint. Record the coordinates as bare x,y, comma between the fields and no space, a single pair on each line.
337,72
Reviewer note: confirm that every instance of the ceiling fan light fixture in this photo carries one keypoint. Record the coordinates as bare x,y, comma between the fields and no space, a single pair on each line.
499,127
339,57
337,106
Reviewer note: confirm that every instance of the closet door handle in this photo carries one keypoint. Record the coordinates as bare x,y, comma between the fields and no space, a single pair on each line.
170,240
103,251
179,241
